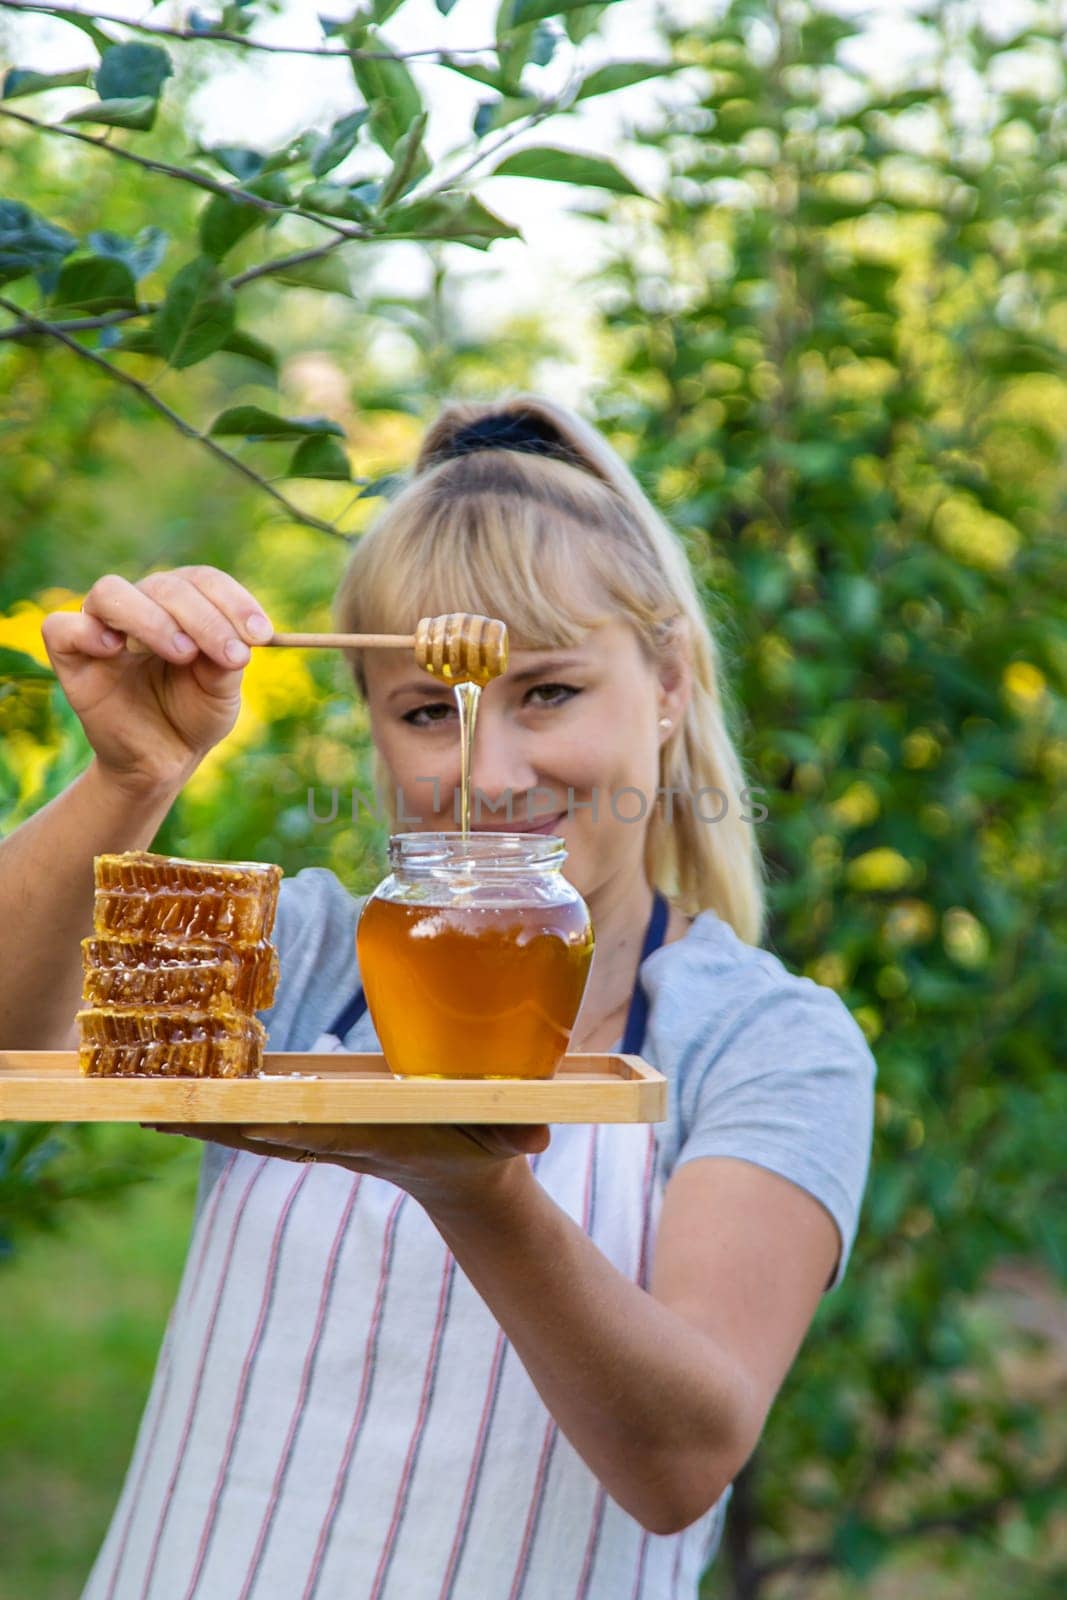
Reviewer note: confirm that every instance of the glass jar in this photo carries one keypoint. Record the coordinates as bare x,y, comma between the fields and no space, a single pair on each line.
474,954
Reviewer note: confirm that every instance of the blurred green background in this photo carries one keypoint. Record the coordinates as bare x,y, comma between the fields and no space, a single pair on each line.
833,347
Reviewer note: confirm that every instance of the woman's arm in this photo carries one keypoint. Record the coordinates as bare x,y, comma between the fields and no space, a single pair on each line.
663,1393
46,899
150,716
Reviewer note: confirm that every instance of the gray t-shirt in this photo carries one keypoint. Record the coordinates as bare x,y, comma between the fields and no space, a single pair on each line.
336,1413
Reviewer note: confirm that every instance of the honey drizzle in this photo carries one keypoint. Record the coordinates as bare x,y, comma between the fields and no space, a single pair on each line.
468,695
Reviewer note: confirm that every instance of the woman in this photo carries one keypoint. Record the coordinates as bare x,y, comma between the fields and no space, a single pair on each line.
480,1362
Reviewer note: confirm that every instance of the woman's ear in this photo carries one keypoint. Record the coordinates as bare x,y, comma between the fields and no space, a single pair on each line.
675,681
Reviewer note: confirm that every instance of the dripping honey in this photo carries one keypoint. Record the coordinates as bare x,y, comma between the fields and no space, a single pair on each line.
474,991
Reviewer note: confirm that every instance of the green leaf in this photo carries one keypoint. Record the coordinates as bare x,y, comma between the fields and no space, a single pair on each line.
475,70
197,316
450,215
565,166
28,243
254,423
383,487
492,114
390,92
16,664
224,222
142,255
543,46
291,154
581,21
859,1546
514,42
241,163
254,350
353,202
136,341
94,284
128,71
138,113
79,19
334,146
329,274
620,74
410,163
382,10
22,80
535,10
320,457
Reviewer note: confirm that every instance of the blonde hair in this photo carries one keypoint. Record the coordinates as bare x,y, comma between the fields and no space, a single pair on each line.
500,532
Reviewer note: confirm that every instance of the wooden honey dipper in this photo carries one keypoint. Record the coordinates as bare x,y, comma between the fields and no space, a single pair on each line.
458,647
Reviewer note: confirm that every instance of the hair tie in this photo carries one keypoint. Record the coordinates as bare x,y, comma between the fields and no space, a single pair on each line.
507,431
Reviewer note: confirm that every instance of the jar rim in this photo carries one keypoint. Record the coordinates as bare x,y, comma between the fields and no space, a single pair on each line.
483,849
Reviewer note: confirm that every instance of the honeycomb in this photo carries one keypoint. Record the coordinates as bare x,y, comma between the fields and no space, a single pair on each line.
179,960
208,975
170,1042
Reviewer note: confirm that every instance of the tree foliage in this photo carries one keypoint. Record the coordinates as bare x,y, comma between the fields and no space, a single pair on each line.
842,367
835,354
136,308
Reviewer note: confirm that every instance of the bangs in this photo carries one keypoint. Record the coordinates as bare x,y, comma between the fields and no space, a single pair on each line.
531,542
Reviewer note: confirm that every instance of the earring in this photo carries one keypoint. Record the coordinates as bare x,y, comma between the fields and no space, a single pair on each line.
664,722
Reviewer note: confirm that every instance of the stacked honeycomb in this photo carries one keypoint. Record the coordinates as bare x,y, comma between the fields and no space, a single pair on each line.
179,961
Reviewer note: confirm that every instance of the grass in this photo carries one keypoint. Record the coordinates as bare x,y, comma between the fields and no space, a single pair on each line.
83,1317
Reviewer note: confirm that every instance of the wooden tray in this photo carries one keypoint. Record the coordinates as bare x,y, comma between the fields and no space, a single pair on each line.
47,1086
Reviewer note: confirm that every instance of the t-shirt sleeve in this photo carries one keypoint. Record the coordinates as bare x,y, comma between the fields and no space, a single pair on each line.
789,1085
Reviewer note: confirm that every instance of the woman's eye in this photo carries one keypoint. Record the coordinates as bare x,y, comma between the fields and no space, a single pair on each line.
438,711
553,689
423,716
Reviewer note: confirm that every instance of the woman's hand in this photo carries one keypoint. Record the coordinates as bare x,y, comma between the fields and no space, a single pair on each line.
153,714
443,1166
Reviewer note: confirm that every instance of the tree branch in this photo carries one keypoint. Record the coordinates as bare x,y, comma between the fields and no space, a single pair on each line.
107,319
222,36
283,263
148,308
343,230
53,331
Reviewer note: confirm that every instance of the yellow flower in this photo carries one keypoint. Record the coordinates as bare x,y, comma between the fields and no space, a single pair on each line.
920,748
879,869
909,922
29,759
20,628
275,683
1024,684
857,806
830,969
964,938
975,536
870,1020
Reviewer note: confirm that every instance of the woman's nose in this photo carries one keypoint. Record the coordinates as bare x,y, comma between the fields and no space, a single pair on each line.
501,764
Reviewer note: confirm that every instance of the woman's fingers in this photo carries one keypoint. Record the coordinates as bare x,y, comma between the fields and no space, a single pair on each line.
125,608
236,603
182,612
198,618
76,633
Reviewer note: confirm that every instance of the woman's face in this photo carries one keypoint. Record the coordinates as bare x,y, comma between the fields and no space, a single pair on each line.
569,739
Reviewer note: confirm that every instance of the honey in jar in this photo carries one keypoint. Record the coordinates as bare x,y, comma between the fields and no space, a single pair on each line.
474,955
